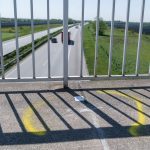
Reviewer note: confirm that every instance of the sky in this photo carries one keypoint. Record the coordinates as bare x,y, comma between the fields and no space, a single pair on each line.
56,9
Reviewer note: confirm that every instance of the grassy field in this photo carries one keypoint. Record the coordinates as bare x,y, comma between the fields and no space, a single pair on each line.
9,32
103,52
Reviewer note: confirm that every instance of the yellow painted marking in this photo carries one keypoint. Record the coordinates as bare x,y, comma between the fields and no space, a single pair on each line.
141,118
29,123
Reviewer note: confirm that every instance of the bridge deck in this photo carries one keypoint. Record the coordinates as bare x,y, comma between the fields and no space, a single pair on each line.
114,115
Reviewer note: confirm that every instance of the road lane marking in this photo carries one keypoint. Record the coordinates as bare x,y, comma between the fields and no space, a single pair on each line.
29,123
133,130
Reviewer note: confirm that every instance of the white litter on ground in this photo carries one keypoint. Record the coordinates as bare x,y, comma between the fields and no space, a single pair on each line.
79,98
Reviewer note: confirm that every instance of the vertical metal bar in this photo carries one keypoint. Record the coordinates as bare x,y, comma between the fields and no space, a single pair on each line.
149,70
97,37
126,39
17,42
82,32
32,32
1,51
65,41
140,39
111,39
48,32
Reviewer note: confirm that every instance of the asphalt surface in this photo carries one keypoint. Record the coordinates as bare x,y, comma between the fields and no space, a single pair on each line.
43,116
56,53
10,45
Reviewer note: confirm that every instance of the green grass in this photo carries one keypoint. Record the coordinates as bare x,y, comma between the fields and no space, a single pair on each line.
103,51
9,32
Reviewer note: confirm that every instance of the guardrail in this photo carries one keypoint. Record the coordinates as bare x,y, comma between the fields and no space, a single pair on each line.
65,77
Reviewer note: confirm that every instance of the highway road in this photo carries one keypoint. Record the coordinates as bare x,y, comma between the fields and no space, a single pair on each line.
10,45
41,59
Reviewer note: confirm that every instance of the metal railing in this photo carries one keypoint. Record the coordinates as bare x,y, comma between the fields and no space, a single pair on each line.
65,77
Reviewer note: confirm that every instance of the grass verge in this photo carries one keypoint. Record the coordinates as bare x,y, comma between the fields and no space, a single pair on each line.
103,51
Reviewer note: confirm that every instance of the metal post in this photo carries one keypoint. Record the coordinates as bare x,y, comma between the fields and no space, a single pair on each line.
1,51
32,32
111,39
17,42
97,37
82,32
140,40
48,32
125,39
65,41
149,70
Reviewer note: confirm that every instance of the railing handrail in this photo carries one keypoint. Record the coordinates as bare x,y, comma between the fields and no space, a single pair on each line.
65,77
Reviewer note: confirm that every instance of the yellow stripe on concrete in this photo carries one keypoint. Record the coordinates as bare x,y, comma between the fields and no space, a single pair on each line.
29,123
141,118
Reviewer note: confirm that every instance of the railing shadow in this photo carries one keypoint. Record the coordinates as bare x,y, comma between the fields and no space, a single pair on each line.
116,130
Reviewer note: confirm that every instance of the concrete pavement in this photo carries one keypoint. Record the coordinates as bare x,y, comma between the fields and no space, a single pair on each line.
43,116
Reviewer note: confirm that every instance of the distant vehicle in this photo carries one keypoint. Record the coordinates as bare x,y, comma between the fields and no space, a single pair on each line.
54,40
69,37
77,27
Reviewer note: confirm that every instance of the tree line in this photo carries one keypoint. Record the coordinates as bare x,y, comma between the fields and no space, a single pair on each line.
10,22
133,26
